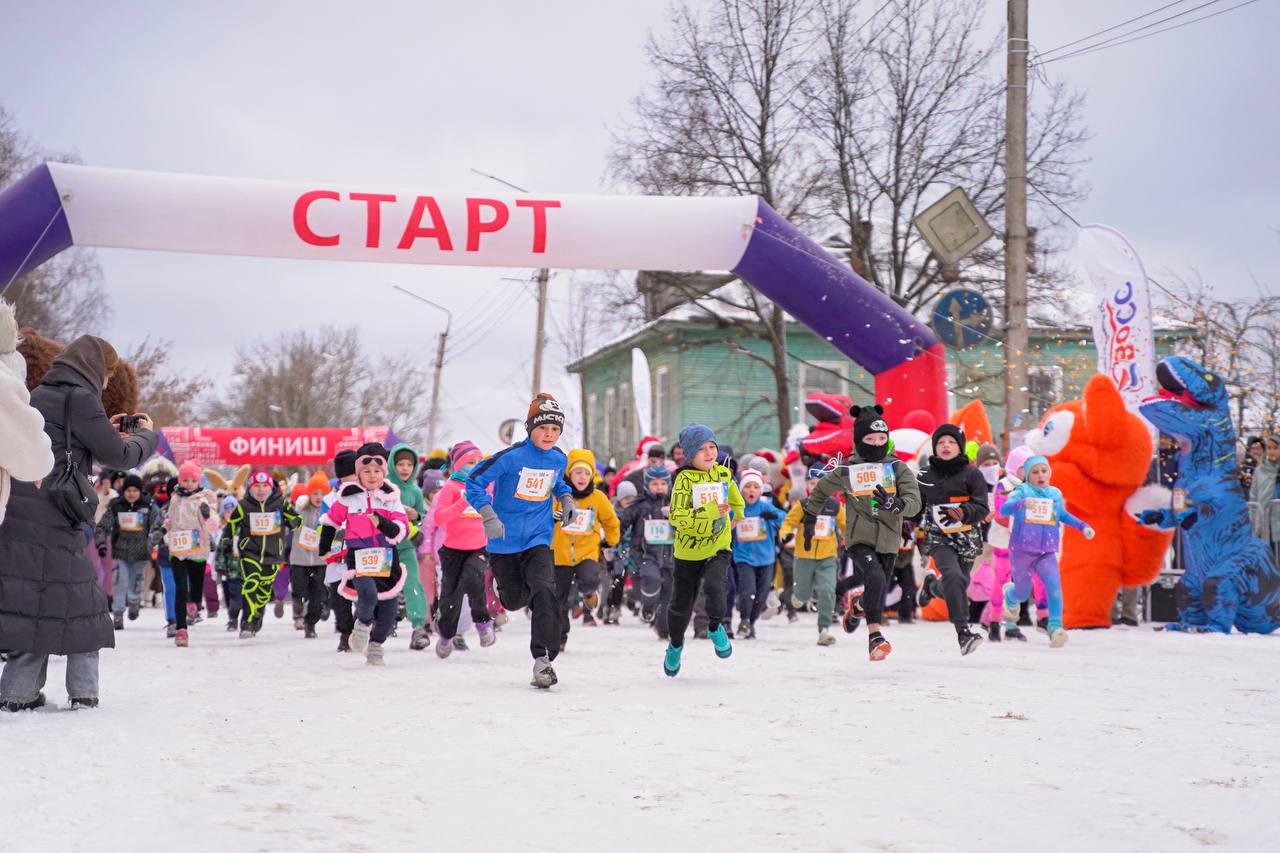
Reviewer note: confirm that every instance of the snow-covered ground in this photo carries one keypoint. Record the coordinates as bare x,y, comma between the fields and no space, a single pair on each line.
1122,740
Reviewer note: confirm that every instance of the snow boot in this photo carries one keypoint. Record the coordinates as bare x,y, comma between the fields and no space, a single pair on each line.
544,676
309,632
37,702
968,640
420,640
299,623
878,647
133,611
360,637
1013,632
1011,607
825,638
671,661
488,635
279,609
1042,625
460,643
792,618
612,615
373,655
444,647
744,629
1057,636
231,624
181,639
720,639
344,642
171,630
78,702
117,620
246,634
993,632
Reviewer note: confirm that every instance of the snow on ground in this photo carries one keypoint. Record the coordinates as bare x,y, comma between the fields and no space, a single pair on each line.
1123,740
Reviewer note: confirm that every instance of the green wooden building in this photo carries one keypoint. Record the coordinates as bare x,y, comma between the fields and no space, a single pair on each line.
697,374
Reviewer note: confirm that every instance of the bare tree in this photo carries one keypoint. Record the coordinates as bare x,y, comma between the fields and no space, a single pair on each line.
323,380
63,298
909,103
170,397
727,116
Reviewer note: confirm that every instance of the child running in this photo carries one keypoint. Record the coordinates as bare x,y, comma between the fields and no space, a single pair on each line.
519,522
998,538
462,557
370,512
226,566
879,491
127,525
258,526
652,547
191,523
704,502
306,563
576,543
404,476
335,556
1038,511
955,496
815,555
754,554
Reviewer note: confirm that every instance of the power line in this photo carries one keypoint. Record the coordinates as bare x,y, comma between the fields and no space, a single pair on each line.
1113,43
1113,27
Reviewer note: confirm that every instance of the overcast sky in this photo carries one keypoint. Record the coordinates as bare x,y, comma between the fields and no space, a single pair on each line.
413,94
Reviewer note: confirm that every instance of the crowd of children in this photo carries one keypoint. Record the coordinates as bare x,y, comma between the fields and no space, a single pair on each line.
460,541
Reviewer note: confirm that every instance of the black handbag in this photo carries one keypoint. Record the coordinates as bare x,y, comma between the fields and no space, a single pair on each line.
71,491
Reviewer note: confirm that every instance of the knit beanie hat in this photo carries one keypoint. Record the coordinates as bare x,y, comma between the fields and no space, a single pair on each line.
693,437
132,481
190,470
344,464
580,458
626,489
947,429
318,483
816,472
656,472
987,453
371,448
459,453
259,476
1016,459
1033,461
868,420
751,475
228,504
432,481
544,410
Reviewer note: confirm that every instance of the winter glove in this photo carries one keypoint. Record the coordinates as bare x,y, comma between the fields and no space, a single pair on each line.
888,502
387,527
810,521
102,550
205,512
493,528
770,514
1187,522
1151,516
568,509
955,513
326,538
1089,533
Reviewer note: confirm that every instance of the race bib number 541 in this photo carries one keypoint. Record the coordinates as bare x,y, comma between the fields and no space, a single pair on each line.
534,484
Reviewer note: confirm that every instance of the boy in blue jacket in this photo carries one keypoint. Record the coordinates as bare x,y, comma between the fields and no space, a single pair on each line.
518,522
1037,510
754,551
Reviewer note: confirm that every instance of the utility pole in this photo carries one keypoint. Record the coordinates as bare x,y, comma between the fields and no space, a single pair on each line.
544,276
435,383
1016,343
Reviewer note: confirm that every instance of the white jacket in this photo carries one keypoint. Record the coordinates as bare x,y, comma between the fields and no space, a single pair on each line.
24,451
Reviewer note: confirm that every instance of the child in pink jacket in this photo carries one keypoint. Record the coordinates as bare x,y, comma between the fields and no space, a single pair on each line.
463,562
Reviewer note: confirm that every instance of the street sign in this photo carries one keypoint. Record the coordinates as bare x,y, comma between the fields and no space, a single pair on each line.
962,318
507,431
953,227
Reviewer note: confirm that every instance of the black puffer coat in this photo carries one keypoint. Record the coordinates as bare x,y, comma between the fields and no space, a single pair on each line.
50,601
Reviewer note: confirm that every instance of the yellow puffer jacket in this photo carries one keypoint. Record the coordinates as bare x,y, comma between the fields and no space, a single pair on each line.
572,548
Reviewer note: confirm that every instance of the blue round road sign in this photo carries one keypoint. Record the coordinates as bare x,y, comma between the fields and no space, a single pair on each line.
962,318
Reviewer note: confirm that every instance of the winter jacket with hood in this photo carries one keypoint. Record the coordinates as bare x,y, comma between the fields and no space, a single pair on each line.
410,493
1030,537
524,479
265,548
762,549
865,524
573,548
50,600
701,532
822,546
308,519
131,545
953,483
645,547
1265,489
462,526
184,516
354,510
25,452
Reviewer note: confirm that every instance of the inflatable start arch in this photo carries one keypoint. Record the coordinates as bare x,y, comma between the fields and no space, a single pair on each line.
57,206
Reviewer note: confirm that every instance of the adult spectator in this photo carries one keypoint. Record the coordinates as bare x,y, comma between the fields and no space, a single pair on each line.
1265,493
25,452
50,600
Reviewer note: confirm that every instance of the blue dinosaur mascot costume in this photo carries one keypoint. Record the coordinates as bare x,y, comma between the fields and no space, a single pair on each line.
1231,577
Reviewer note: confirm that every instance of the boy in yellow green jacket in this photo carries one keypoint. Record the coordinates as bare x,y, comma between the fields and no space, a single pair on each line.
577,548
816,561
705,504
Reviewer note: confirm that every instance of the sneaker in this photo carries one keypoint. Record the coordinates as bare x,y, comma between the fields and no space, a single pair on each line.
181,639
1042,625
752,635
37,702
744,629
192,613
544,676
78,702
850,621
1011,608
968,640
133,611
117,620
647,615
588,621
299,623
771,604
488,634
460,643
309,632
671,660
170,630
444,647
344,643
612,615
993,632
246,634
373,654
1013,632
279,609
825,638
878,647
796,603
420,640
792,617
720,639
360,637
1132,623
1057,636
231,625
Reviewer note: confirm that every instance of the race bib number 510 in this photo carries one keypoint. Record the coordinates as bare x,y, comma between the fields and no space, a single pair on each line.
534,484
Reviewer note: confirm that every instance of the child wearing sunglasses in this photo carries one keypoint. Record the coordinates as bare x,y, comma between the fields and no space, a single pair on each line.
257,526
518,523
371,514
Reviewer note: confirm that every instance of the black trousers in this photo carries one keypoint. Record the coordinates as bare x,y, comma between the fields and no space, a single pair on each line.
711,573
461,574
955,583
188,583
527,579
904,575
587,576
874,570
344,617
306,585
788,559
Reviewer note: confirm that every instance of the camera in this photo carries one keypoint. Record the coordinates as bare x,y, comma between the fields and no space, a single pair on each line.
130,423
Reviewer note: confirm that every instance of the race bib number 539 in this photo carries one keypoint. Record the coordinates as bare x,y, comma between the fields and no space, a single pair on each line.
534,484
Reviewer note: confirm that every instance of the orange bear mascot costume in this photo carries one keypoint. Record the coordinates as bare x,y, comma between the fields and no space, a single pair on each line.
1100,453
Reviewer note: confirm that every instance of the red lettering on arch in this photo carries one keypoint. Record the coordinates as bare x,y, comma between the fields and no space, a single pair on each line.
539,221
300,226
476,226
373,201
413,228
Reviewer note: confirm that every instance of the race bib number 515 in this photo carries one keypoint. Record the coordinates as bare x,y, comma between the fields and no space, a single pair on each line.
1040,511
